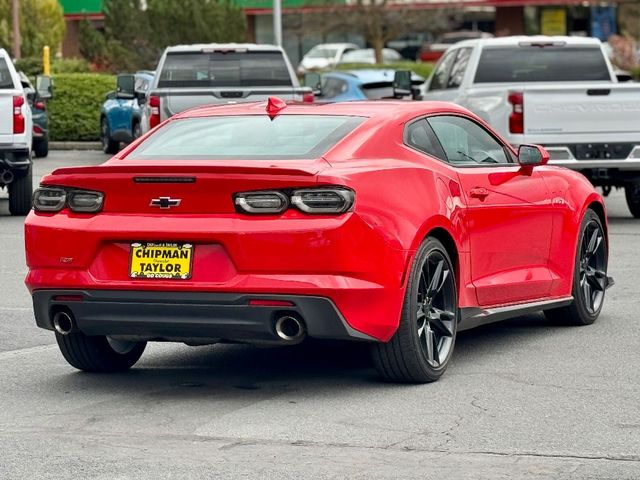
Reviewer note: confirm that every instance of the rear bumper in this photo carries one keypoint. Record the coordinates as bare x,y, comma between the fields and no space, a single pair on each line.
564,157
190,316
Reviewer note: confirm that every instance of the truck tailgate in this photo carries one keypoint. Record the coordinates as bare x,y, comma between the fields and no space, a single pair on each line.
178,100
6,116
596,112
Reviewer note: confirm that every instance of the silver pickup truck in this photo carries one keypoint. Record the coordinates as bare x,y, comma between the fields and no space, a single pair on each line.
192,75
559,92
15,138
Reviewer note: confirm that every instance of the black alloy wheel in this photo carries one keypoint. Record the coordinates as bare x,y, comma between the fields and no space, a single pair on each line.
590,278
421,347
593,267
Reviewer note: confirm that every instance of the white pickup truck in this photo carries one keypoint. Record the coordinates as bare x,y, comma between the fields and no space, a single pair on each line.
559,92
192,75
16,130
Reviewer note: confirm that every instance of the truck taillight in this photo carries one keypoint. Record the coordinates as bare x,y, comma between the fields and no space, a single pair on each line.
308,97
154,116
516,119
18,117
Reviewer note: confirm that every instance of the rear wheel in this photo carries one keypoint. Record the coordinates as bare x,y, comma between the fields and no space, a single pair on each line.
41,147
20,192
99,353
589,277
632,192
420,350
108,144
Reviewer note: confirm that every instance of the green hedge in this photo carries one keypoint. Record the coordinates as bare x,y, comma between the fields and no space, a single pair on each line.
422,69
32,66
74,111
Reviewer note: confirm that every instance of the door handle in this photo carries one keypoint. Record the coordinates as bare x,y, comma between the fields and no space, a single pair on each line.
479,192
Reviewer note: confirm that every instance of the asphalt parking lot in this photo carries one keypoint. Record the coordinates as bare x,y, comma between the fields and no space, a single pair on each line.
522,399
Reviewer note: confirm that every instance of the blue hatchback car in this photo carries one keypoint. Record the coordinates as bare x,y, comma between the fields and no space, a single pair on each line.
122,114
365,84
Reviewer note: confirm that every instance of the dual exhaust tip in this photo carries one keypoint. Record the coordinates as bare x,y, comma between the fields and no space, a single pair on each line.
288,327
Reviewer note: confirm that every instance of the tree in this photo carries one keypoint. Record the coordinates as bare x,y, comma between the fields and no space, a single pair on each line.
41,23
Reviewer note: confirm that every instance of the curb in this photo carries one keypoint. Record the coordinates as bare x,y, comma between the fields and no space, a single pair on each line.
75,146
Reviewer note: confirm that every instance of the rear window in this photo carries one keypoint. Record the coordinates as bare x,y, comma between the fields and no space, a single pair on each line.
224,69
541,64
249,137
6,82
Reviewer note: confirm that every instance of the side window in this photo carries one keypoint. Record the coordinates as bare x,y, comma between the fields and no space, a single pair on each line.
439,79
420,136
467,143
332,87
459,68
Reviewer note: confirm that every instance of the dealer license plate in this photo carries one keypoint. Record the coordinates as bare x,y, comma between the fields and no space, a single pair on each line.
161,260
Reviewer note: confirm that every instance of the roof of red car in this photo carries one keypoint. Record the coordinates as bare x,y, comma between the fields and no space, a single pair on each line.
371,108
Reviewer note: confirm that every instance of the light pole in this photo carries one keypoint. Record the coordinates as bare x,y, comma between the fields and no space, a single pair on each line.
15,17
277,22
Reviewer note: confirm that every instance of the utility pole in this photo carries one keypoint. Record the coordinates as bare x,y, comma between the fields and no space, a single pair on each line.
16,40
277,22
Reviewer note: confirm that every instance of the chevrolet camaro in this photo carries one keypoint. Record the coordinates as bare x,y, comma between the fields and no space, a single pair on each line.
395,223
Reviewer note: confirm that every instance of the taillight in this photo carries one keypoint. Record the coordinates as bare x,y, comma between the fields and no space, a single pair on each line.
261,202
40,105
54,199
320,200
154,106
18,117
323,200
308,97
516,119
37,130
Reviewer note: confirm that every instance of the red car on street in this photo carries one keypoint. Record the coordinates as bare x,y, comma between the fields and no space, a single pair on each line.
394,223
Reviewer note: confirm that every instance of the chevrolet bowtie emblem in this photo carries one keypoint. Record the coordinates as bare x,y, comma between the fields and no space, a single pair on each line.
165,202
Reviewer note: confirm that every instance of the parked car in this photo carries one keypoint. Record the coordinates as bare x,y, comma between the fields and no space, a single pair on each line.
39,116
267,223
367,56
16,132
560,92
432,51
122,113
350,85
409,45
324,56
192,75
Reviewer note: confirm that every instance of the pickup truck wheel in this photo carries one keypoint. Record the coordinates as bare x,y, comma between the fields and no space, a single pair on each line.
632,192
41,147
109,145
98,353
20,192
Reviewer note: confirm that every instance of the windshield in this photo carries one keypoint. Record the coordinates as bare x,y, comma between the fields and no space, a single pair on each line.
246,137
322,52
541,64
224,69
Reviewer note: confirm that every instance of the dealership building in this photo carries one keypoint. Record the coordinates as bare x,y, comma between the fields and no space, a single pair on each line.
500,17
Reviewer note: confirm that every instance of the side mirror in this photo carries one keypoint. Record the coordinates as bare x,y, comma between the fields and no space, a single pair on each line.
125,87
531,155
624,76
313,80
402,85
44,87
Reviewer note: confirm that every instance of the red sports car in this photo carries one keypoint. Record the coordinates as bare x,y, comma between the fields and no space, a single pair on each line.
394,223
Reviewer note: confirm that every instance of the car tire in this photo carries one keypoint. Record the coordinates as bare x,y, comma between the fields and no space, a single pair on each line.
632,194
98,354
136,131
421,348
20,194
109,145
589,276
41,147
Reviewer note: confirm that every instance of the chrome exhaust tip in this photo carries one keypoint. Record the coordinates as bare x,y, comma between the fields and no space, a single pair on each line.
63,323
290,328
